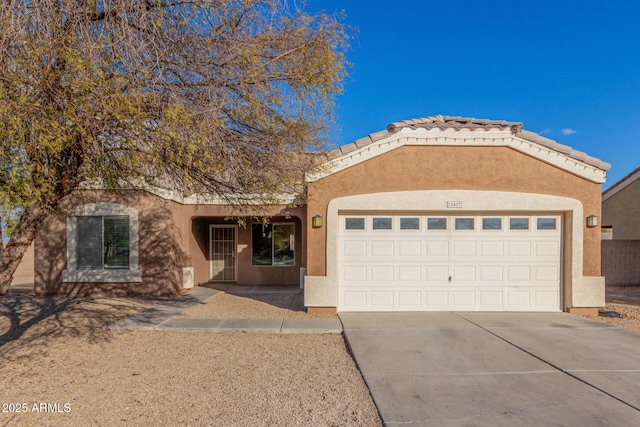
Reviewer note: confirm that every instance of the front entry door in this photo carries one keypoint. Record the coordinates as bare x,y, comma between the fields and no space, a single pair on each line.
223,253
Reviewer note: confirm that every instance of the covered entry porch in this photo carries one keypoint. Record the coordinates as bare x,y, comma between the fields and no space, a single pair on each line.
249,250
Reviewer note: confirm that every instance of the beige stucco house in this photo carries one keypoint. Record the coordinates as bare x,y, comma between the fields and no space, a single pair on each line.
438,213
621,242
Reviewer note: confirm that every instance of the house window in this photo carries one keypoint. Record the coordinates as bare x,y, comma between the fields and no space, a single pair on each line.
273,244
102,242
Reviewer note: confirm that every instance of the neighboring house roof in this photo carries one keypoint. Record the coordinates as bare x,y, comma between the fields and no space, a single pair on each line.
497,133
622,184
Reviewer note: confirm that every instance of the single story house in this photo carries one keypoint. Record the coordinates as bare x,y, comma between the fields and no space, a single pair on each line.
621,240
438,213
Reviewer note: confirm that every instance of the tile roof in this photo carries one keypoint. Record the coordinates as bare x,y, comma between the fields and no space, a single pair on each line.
458,123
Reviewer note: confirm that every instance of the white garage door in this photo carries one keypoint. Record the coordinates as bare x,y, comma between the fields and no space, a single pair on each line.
449,263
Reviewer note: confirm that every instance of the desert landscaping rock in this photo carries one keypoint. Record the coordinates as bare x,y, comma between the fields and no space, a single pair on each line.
252,306
57,351
145,377
626,301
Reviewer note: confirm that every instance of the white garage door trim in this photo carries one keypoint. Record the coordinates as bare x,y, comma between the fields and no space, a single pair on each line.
443,262
322,291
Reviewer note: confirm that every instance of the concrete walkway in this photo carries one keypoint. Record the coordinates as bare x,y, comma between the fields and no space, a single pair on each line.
162,317
493,369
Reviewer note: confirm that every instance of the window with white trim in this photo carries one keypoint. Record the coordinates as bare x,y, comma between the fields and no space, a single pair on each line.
102,244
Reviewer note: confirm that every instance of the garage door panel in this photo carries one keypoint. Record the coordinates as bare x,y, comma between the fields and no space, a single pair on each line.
410,249
547,249
410,273
464,300
382,248
518,299
491,300
354,299
382,273
492,274
382,299
519,249
438,248
519,274
354,248
354,273
463,273
437,300
464,249
437,273
410,299
420,268
491,249
547,273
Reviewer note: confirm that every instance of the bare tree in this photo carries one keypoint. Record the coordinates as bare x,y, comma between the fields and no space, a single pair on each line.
216,96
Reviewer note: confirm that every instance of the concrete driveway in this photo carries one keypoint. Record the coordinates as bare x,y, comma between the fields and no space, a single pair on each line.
490,369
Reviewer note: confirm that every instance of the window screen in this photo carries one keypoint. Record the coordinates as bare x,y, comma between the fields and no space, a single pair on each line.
116,242
102,242
89,242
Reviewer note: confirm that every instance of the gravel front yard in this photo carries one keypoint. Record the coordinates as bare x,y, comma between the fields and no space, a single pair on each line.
56,351
252,306
59,366
626,301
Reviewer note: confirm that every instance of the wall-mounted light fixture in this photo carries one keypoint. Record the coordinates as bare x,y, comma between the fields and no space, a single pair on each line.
592,221
316,221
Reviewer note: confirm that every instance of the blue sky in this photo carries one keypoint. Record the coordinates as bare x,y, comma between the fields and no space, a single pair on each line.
569,70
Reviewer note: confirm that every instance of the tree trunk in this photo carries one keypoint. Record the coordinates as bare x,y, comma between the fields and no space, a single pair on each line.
28,226
1,242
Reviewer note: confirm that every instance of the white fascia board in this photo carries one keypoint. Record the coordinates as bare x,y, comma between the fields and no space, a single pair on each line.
214,199
621,186
465,137
202,198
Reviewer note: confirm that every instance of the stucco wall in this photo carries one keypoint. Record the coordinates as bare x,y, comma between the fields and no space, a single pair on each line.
171,236
621,262
411,168
24,273
621,210
161,254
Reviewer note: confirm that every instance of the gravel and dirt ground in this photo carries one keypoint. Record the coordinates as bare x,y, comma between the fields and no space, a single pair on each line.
253,306
626,301
60,366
